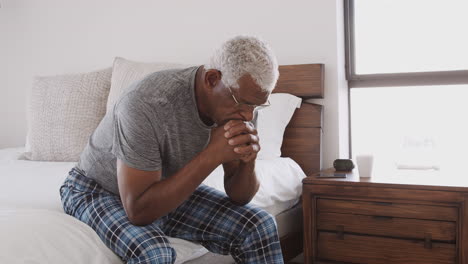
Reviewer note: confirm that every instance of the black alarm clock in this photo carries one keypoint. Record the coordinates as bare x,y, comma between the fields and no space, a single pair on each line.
343,165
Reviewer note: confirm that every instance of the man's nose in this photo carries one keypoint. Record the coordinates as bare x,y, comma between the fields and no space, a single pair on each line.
247,115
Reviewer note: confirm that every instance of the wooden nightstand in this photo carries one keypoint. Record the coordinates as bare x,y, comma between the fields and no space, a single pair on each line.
393,221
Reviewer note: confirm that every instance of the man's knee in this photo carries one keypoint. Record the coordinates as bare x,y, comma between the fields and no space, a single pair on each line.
156,253
261,240
265,222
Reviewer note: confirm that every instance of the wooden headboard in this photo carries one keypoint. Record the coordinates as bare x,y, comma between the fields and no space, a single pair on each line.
303,135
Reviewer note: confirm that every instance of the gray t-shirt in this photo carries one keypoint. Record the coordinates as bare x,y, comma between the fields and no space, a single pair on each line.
154,126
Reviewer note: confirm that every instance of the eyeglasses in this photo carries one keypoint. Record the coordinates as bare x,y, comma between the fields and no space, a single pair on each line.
251,106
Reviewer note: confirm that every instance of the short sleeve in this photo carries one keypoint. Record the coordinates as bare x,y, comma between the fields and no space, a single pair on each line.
135,142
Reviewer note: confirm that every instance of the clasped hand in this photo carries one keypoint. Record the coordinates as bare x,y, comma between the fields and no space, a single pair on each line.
236,140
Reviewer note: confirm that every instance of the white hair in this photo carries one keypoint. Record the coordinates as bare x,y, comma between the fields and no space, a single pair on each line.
245,55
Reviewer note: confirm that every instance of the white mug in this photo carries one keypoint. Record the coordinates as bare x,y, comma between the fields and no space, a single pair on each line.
365,164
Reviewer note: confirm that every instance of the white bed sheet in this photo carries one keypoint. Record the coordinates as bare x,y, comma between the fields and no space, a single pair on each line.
35,184
30,189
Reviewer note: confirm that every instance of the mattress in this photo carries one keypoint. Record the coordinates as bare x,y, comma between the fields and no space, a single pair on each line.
30,210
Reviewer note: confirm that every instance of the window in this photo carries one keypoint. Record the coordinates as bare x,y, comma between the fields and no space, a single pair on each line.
407,69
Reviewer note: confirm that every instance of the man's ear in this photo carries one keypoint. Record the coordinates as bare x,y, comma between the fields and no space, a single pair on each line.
212,78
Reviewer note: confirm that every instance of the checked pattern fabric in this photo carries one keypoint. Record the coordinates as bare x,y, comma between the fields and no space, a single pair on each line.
208,217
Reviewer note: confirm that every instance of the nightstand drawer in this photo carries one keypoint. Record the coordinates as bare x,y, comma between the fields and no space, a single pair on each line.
388,226
379,250
441,213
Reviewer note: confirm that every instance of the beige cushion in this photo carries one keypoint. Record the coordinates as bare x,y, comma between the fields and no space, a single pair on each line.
63,112
126,72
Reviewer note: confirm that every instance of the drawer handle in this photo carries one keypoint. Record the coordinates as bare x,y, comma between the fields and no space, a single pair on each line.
382,203
381,217
428,240
340,232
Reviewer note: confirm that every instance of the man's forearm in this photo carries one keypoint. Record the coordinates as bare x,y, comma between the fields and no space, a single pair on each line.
240,181
164,196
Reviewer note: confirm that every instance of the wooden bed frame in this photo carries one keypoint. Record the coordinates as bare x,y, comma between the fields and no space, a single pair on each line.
302,137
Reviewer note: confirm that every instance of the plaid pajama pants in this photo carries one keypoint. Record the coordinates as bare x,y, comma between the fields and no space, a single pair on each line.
208,217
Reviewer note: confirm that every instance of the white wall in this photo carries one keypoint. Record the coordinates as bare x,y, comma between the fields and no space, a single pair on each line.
49,37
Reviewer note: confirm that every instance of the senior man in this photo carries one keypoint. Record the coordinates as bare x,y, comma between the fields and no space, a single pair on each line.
139,179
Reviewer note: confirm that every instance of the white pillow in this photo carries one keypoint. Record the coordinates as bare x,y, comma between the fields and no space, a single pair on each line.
63,112
280,183
272,121
126,72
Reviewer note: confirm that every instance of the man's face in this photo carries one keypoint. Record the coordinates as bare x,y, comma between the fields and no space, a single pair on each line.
239,103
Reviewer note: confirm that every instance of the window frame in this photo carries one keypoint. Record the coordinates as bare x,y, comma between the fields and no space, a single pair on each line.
389,79
370,81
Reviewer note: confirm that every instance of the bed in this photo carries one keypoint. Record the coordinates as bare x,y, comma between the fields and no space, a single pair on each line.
37,231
